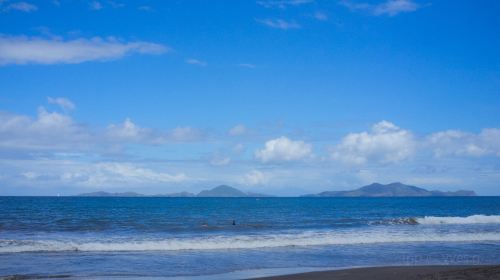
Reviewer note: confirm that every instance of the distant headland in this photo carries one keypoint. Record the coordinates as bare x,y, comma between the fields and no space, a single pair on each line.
373,190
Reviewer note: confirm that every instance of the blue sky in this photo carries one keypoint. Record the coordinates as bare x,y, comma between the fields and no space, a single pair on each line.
280,96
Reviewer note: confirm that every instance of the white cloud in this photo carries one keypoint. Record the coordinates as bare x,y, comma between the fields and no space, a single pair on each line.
49,130
52,131
129,131
114,173
35,50
459,143
194,61
98,175
254,177
389,7
20,6
282,4
284,149
279,23
394,7
62,102
386,143
30,175
238,130
185,134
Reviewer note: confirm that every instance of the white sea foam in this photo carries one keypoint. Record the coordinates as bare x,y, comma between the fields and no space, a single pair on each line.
242,241
474,219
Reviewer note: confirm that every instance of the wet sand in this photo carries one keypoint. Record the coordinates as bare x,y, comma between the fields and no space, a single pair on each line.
489,272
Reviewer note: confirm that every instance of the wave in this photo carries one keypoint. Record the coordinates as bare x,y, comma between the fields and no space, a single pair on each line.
396,221
433,220
240,241
474,219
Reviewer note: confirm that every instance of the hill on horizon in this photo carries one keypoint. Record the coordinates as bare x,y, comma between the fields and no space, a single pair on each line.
396,189
219,191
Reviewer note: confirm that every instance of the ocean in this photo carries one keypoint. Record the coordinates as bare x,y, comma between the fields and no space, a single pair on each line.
231,238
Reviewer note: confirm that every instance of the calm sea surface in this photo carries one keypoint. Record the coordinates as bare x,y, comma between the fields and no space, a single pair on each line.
102,238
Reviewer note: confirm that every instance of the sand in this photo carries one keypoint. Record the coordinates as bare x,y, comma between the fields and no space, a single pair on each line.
400,273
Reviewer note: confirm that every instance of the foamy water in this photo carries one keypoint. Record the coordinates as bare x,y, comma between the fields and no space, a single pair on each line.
473,219
409,233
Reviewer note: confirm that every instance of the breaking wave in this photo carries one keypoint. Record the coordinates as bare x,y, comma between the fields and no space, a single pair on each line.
241,241
474,219
432,220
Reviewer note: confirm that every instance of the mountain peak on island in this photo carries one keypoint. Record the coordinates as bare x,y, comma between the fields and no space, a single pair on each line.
222,191
395,189
108,194
219,191
227,191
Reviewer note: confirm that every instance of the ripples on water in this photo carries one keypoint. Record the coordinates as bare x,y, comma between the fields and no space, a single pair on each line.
196,236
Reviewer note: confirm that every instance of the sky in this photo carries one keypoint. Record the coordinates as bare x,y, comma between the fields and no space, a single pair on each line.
283,97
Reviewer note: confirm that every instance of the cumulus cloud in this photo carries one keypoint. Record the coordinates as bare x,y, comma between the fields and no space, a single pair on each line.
197,62
20,6
385,143
129,131
282,4
55,131
459,143
279,23
390,7
238,130
35,50
62,102
284,149
49,130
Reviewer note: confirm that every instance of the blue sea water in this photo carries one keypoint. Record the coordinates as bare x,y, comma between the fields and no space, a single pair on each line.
102,238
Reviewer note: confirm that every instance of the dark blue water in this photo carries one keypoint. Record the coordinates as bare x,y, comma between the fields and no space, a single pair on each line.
164,237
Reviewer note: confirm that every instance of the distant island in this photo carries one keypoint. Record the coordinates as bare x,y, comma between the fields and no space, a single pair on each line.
373,190
390,190
219,191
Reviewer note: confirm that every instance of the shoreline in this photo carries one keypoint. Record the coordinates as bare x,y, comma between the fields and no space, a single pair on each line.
427,272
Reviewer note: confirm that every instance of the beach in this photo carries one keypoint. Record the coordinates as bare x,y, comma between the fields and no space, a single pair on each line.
399,273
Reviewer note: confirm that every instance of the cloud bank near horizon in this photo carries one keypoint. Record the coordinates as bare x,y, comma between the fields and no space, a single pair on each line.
54,149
